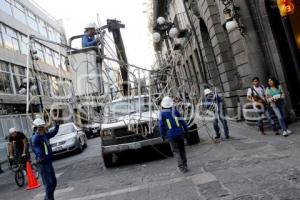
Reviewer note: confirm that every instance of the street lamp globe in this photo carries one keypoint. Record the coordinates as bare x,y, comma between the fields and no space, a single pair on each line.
156,37
33,88
161,20
173,32
231,25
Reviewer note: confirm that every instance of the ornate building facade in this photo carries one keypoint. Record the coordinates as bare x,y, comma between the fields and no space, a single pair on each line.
262,44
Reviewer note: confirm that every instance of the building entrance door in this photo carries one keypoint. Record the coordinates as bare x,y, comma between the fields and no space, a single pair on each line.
283,30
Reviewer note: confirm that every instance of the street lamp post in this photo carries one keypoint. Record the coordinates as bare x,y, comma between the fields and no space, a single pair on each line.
232,17
165,30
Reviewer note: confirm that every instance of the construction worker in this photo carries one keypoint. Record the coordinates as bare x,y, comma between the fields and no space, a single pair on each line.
43,152
89,40
173,128
215,103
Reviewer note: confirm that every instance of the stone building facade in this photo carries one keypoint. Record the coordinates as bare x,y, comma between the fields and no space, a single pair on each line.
228,60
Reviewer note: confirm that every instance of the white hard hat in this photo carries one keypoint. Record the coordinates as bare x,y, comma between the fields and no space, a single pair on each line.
38,122
207,91
90,25
12,130
167,102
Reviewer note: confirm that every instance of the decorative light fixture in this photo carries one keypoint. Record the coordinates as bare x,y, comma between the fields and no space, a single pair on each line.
232,17
156,37
173,32
161,20
163,29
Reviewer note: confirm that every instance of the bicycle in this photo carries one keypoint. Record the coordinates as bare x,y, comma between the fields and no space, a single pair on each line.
19,168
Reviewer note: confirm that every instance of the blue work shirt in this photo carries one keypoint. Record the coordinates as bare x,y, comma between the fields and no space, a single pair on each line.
217,100
42,147
88,41
171,124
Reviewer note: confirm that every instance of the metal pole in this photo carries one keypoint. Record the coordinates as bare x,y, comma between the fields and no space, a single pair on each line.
27,74
36,81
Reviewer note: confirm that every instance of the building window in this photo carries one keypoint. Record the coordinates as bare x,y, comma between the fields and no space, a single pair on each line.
54,86
50,34
23,44
43,28
10,38
64,63
31,19
19,75
56,59
40,51
19,12
5,81
48,56
1,41
57,37
5,6
45,84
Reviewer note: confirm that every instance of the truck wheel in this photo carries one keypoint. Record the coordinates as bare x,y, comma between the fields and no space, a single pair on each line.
107,159
192,138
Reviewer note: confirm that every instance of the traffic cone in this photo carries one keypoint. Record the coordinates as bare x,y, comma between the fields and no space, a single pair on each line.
32,182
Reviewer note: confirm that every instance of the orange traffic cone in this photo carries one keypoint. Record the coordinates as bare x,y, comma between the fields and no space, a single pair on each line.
32,182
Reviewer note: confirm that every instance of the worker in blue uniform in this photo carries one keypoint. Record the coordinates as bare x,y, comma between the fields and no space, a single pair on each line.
89,39
43,152
172,127
215,103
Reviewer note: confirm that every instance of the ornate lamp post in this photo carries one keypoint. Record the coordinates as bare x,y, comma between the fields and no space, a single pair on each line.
232,17
163,30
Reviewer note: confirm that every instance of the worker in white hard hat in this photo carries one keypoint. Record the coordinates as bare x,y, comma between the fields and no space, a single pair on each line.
17,146
215,103
173,128
43,153
89,40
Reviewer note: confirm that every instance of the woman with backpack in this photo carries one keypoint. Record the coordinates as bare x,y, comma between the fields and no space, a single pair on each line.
275,97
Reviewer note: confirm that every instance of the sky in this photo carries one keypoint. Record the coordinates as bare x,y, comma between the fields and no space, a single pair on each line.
77,13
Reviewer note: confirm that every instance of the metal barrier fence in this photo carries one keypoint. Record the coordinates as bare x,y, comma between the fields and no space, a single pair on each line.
20,122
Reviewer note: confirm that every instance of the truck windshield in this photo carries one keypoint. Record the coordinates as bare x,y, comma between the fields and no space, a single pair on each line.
130,106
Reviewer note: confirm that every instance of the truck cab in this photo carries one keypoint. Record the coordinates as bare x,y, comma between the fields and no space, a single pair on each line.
129,123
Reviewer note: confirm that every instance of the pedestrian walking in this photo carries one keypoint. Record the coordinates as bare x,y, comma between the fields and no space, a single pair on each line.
215,103
256,94
275,97
172,127
43,152
89,39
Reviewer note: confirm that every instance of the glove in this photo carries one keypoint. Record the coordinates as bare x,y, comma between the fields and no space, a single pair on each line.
23,155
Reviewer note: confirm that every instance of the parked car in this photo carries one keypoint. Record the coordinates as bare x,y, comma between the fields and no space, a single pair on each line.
68,139
91,130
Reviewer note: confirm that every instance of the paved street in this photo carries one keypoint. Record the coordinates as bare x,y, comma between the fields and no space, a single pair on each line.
249,166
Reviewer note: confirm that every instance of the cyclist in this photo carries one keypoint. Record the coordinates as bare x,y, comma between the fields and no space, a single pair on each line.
17,146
